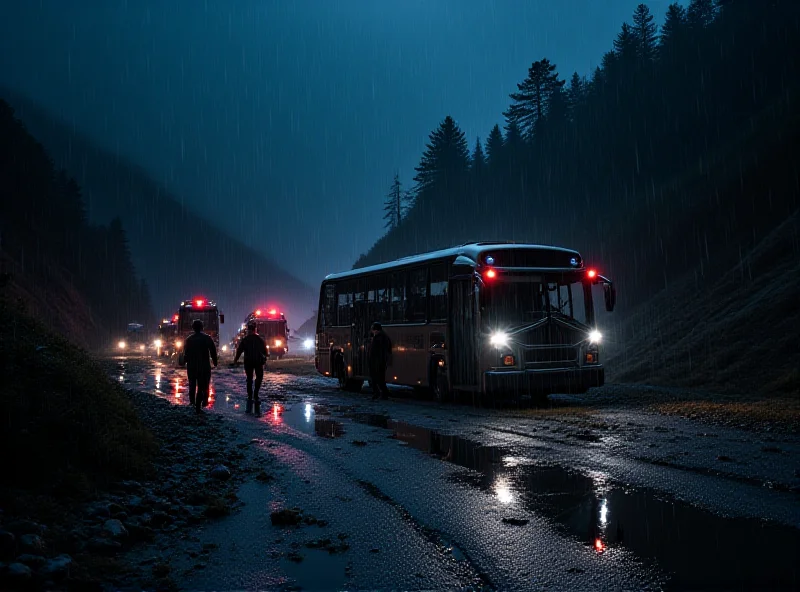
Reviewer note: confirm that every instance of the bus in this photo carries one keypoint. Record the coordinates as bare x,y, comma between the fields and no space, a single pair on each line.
194,309
272,327
487,319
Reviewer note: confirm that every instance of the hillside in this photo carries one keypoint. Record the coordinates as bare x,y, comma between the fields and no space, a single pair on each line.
162,232
737,333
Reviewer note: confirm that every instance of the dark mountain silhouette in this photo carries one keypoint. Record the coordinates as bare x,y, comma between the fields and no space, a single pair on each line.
178,252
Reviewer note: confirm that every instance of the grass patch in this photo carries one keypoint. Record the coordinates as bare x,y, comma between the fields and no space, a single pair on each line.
66,426
781,414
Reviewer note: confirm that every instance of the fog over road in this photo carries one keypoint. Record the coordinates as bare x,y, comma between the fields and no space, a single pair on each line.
594,492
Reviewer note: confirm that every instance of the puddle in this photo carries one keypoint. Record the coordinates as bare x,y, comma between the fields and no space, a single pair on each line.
376,420
328,428
318,570
697,549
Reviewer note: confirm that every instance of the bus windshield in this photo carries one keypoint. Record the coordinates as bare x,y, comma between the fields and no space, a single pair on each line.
512,302
209,317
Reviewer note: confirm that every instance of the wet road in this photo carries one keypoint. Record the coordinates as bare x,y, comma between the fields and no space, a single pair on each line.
441,497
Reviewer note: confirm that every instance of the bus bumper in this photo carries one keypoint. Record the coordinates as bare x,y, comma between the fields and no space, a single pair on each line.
550,380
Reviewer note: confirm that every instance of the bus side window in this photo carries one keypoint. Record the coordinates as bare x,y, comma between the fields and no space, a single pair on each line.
438,296
381,309
344,303
416,311
328,316
398,303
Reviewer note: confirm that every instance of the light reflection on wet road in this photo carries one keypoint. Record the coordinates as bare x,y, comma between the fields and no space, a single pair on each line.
538,505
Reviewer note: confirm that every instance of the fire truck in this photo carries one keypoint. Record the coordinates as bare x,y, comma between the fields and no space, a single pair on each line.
197,309
272,327
167,336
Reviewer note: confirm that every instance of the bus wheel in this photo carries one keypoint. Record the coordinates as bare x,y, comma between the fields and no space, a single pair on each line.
439,383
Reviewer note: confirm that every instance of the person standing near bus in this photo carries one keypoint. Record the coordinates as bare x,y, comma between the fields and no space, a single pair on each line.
198,349
254,349
380,358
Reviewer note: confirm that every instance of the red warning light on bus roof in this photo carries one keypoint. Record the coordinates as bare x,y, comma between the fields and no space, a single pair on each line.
490,274
592,273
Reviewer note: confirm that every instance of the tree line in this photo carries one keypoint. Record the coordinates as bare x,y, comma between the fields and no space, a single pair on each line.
645,159
44,228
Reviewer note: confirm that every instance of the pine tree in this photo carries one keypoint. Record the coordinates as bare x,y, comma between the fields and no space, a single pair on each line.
530,104
393,206
494,146
478,159
673,29
646,32
626,45
444,163
576,92
701,13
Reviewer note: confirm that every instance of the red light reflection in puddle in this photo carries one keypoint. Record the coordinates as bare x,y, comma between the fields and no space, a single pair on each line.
599,545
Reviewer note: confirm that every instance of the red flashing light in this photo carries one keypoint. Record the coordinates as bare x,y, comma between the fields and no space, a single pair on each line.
175,319
490,274
273,312
258,312
199,302
592,273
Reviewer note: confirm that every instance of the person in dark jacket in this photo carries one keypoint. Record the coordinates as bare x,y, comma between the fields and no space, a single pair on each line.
198,349
255,356
380,358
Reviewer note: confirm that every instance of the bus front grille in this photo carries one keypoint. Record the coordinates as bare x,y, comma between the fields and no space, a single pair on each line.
542,356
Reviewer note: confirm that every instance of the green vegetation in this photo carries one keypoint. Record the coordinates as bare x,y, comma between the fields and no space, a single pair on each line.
65,426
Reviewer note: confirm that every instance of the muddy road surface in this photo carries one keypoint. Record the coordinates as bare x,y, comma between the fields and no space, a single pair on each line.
590,493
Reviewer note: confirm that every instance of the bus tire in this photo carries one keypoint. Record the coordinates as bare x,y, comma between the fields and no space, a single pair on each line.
440,385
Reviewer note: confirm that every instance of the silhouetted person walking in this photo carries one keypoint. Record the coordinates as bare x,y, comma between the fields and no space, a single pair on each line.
255,356
198,353
380,358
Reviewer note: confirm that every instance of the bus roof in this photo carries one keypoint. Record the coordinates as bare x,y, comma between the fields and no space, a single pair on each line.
472,251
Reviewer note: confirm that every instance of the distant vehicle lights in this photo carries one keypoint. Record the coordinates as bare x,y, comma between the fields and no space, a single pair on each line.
308,344
122,345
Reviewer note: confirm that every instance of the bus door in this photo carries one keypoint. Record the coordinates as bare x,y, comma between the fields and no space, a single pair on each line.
462,349
360,332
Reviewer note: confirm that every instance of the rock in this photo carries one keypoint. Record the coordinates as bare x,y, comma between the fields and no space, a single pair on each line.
515,521
17,574
210,546
160,519
32,561
32,543
99,545
220,472
724,458
20,527
285,517
140,533
359,443
161,570
57,568
115,509
115,528
8,543
264,477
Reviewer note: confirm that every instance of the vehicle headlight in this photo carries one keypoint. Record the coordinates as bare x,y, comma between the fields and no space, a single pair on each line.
158,343
499,339
278,343
595,337
179,344
121,345
308,344
141,347
224,348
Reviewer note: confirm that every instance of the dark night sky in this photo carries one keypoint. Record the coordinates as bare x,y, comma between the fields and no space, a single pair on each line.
285,120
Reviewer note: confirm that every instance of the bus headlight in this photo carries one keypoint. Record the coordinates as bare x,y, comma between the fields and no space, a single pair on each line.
499,339
158,343
308,344
595,336
121,345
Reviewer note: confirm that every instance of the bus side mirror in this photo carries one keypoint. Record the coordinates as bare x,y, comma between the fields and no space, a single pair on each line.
222,319
610,293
